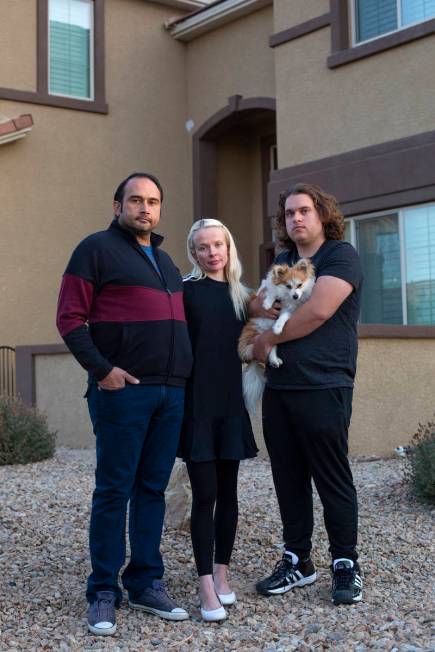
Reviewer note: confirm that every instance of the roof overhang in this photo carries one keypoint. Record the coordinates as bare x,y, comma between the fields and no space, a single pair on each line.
188,5
210,17
15,128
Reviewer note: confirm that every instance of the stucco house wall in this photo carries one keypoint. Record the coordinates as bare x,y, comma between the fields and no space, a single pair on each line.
57,184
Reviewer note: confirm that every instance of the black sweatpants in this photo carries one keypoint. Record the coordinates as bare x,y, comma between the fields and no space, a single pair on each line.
306,435
214,511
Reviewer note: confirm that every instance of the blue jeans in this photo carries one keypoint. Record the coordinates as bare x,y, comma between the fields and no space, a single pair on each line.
137,431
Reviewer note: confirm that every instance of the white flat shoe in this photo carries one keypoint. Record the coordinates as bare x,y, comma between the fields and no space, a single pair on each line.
213,615
227,598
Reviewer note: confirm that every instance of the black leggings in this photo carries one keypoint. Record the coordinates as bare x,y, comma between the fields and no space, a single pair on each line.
214,490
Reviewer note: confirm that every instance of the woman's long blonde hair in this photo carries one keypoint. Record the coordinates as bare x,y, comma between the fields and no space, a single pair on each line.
233,268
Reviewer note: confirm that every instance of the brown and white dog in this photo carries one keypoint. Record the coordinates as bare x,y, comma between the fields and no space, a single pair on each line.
292,286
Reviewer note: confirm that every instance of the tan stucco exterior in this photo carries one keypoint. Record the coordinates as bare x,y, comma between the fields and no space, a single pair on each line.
59,390
18,44
393,394
57,184
288,13
212,76
320,111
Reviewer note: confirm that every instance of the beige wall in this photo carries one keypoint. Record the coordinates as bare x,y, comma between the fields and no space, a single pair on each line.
239,203
60,386
322,112
232,60
57,184
288,13
393,393
18,45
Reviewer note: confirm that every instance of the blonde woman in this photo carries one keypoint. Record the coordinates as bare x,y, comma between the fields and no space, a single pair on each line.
217,432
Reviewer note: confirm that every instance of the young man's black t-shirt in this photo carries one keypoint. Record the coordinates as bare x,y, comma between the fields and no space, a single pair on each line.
326,357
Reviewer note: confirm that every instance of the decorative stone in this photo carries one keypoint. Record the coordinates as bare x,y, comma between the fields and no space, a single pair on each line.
178,498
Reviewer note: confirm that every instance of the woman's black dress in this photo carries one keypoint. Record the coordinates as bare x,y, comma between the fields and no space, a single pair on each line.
216,424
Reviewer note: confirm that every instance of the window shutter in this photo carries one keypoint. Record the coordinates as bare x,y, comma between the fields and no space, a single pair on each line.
375,17
70,60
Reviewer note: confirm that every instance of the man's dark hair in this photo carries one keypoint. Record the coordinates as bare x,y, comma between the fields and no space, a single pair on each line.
326,205
119,193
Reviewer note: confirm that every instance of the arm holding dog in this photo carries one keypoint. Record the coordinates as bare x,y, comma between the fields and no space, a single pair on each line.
257,309
328,294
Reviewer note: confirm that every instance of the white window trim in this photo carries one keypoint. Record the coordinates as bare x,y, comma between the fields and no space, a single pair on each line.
401,28
91,97
403,267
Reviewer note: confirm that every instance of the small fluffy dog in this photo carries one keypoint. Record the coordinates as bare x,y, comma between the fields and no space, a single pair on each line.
292,286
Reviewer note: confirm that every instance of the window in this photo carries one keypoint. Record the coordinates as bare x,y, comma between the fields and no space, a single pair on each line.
70,57
397,252
70,36
374,18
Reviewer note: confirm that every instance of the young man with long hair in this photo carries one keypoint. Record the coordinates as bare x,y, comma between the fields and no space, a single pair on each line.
307,403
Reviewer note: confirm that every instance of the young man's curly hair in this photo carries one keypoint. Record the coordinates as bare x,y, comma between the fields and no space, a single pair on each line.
326,205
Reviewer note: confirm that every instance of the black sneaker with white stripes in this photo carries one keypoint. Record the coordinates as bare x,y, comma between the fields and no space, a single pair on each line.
286,576
346,582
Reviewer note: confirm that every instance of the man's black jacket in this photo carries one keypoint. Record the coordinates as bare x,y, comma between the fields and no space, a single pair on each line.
116,310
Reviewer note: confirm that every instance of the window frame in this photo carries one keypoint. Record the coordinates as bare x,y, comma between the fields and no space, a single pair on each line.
352,219
41,95
353,24
344,50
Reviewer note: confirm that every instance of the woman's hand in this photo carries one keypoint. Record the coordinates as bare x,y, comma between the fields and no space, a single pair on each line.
256,309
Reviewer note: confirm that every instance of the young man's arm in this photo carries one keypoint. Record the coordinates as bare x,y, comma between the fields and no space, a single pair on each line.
328,294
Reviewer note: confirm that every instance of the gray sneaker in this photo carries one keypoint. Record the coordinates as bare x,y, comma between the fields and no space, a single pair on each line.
102,614
155,600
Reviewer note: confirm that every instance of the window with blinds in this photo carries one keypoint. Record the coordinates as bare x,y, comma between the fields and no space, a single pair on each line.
71,48
374,18
397,252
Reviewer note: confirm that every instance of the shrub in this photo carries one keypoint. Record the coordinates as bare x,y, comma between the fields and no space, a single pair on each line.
422,461
24,433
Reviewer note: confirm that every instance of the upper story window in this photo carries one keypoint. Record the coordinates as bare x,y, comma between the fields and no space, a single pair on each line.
71,37
397,251
374,18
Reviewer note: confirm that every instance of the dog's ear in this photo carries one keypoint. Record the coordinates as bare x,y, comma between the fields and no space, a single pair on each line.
302,264
305,265
279,271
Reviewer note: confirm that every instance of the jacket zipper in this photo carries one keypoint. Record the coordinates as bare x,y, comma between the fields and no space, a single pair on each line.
169,293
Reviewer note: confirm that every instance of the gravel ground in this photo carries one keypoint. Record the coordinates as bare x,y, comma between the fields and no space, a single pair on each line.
44,561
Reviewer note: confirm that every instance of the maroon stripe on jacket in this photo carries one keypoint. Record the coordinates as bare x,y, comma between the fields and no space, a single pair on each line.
75,300
124,303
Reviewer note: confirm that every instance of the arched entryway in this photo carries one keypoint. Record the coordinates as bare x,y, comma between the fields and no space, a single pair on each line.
233,154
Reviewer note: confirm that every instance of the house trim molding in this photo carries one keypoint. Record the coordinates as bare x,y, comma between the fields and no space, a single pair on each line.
386,176
212,16
292,33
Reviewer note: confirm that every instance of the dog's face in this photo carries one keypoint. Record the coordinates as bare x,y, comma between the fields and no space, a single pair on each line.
296,280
